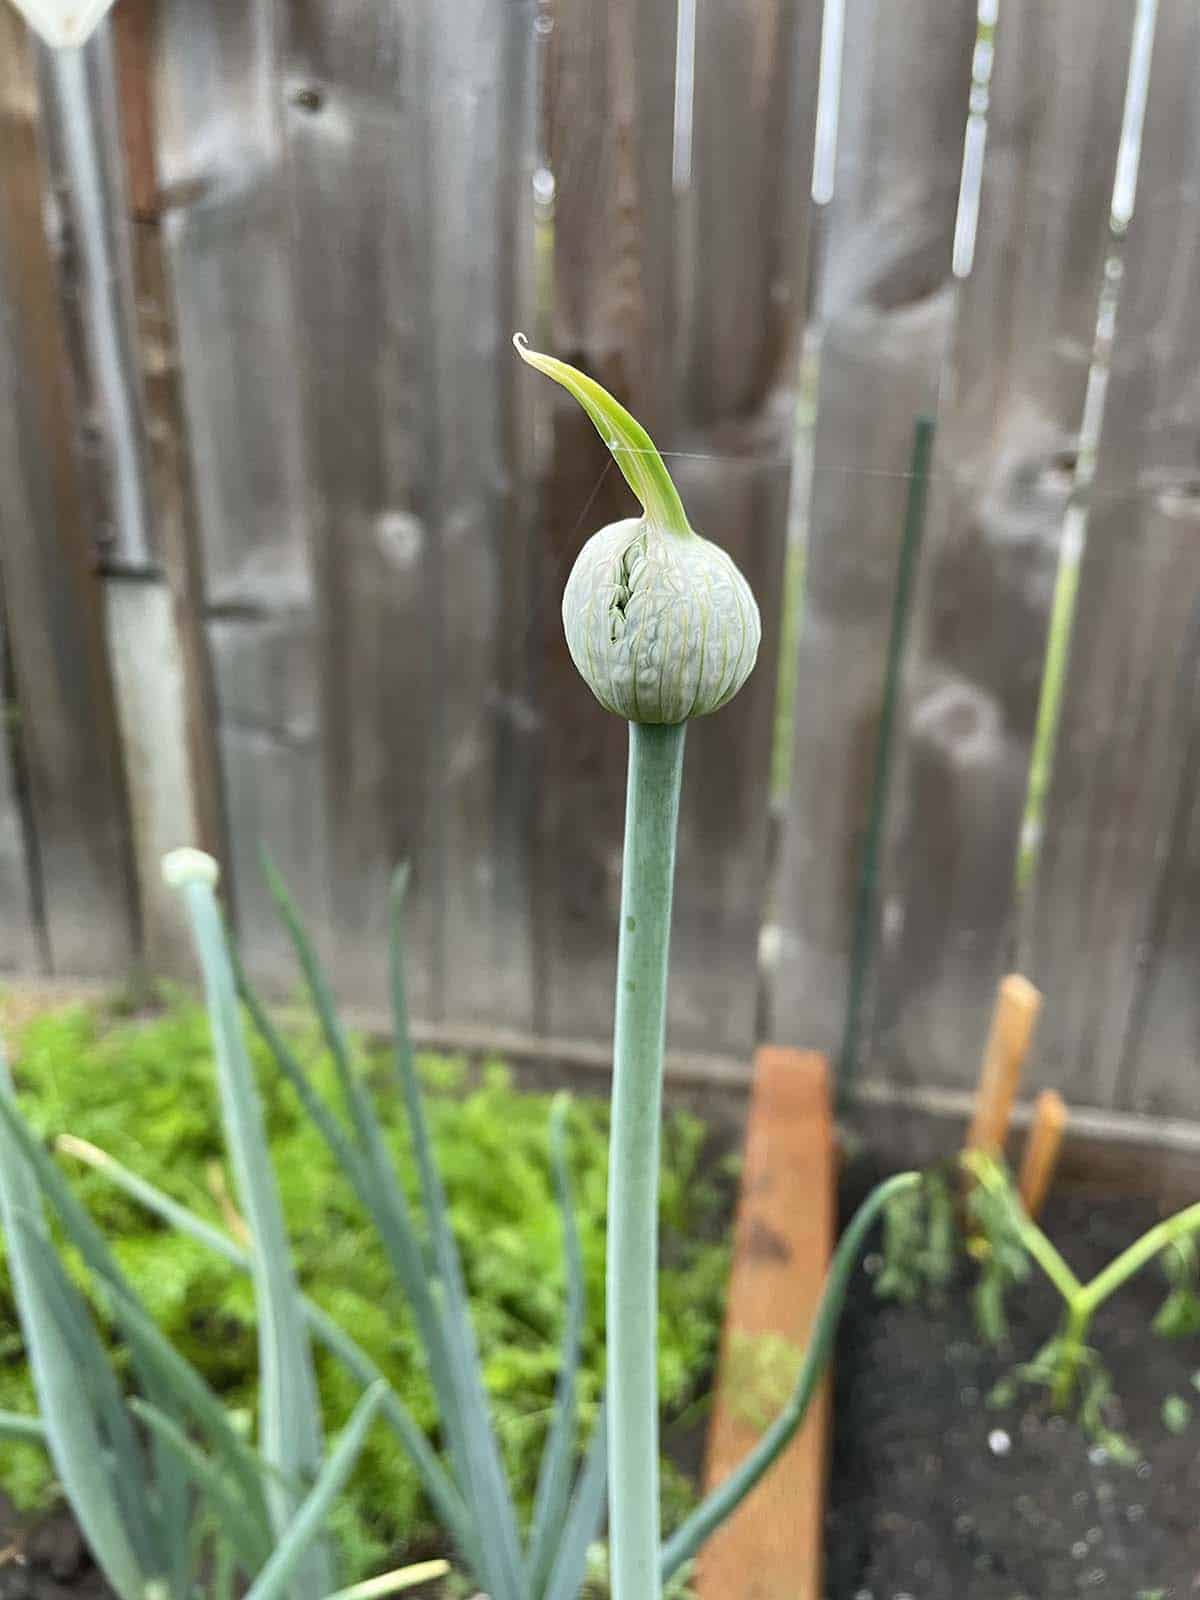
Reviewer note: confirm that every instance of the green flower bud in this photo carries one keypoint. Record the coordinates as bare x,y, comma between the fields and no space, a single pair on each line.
659,622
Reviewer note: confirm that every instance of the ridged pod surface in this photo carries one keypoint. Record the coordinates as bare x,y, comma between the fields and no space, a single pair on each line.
660,623
661,626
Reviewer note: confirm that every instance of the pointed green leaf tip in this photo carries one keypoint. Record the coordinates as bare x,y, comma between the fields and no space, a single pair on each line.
660,623
632,447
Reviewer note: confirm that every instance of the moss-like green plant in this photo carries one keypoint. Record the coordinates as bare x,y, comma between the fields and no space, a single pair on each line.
140,1087
662,627
760,1371
162,1478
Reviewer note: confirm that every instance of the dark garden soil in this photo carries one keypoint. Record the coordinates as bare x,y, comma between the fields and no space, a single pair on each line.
45,1559
936,1496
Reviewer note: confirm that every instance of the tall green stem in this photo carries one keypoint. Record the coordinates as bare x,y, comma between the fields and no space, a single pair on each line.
1048,1258
651,815
1074,1342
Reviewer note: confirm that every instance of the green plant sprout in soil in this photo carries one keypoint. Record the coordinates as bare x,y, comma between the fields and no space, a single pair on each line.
922,1240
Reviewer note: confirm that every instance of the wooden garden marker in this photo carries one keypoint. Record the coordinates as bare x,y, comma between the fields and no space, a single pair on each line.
1017,1007
1042,1149
770,1549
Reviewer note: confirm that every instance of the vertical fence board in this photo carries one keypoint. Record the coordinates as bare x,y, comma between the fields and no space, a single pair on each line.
227,240
887,303
702,345
406,356
21,934
478,204
52,598
1024,333
609,101
745,238
357,164
1114,923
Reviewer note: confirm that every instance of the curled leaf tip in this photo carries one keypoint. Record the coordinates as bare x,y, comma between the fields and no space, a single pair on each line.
632,447
188,865
659,621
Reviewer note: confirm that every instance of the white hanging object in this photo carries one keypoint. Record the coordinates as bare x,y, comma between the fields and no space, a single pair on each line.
63,23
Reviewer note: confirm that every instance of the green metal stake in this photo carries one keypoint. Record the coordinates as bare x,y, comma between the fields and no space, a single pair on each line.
865,920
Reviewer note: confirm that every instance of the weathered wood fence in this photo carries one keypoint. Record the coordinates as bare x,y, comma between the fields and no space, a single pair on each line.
283,522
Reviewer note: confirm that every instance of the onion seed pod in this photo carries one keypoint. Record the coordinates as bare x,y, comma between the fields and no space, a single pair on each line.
659,621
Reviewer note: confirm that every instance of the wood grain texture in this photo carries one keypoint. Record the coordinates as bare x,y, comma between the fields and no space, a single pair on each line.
1114,924
906,77
689,308
887,303
406,354
742,306
227,238
607,134
770,1549
1023,335
350,104
52,599
480,154
22,935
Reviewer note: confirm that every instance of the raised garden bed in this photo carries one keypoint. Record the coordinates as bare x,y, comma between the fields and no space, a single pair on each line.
934,1495
929,1492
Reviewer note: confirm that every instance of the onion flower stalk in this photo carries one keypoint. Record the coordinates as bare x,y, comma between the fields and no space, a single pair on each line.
662,627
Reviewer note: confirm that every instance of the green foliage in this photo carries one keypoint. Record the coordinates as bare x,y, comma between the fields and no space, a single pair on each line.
763,1369
598,1586
1176,1414
143,1090
920,1241
189,1493
1061,1358
999,1250
1179,1315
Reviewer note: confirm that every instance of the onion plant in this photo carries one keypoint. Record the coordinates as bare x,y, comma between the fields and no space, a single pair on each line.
172,1500
662,627
468,1490
548,1559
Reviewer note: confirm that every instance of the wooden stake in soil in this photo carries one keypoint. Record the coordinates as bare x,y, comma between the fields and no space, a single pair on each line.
1013,1020
1042,1149
770,1549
